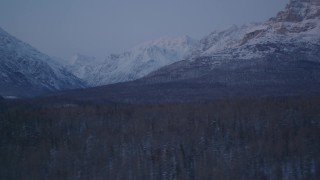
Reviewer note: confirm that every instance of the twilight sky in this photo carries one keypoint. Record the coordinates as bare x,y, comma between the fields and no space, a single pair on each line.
62,28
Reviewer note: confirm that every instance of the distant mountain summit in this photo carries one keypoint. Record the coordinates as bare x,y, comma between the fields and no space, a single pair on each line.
135,63
26,72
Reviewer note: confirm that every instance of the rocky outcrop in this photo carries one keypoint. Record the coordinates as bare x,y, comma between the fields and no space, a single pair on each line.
298,10
252,35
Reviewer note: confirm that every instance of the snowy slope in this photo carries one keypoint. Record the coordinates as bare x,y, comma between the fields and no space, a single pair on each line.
298,24
135,63
278,46
24,71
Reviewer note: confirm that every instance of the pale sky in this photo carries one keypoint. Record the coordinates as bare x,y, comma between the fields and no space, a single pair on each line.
62,28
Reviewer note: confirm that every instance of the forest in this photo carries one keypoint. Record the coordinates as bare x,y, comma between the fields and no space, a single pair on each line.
244,138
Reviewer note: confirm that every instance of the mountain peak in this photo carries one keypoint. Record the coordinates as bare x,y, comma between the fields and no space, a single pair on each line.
299,10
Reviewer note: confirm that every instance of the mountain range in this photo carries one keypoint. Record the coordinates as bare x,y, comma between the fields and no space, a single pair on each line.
278,57
294,27
132,64
293,36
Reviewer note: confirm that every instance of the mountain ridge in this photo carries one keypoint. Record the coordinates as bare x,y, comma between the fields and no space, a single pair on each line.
136,62
272,58
26,72
260,40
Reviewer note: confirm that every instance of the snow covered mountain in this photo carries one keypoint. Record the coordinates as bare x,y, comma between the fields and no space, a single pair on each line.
26,72
133,64
280,57
294,33
295,27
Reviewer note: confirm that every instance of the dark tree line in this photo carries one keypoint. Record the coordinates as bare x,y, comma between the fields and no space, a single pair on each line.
271,138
